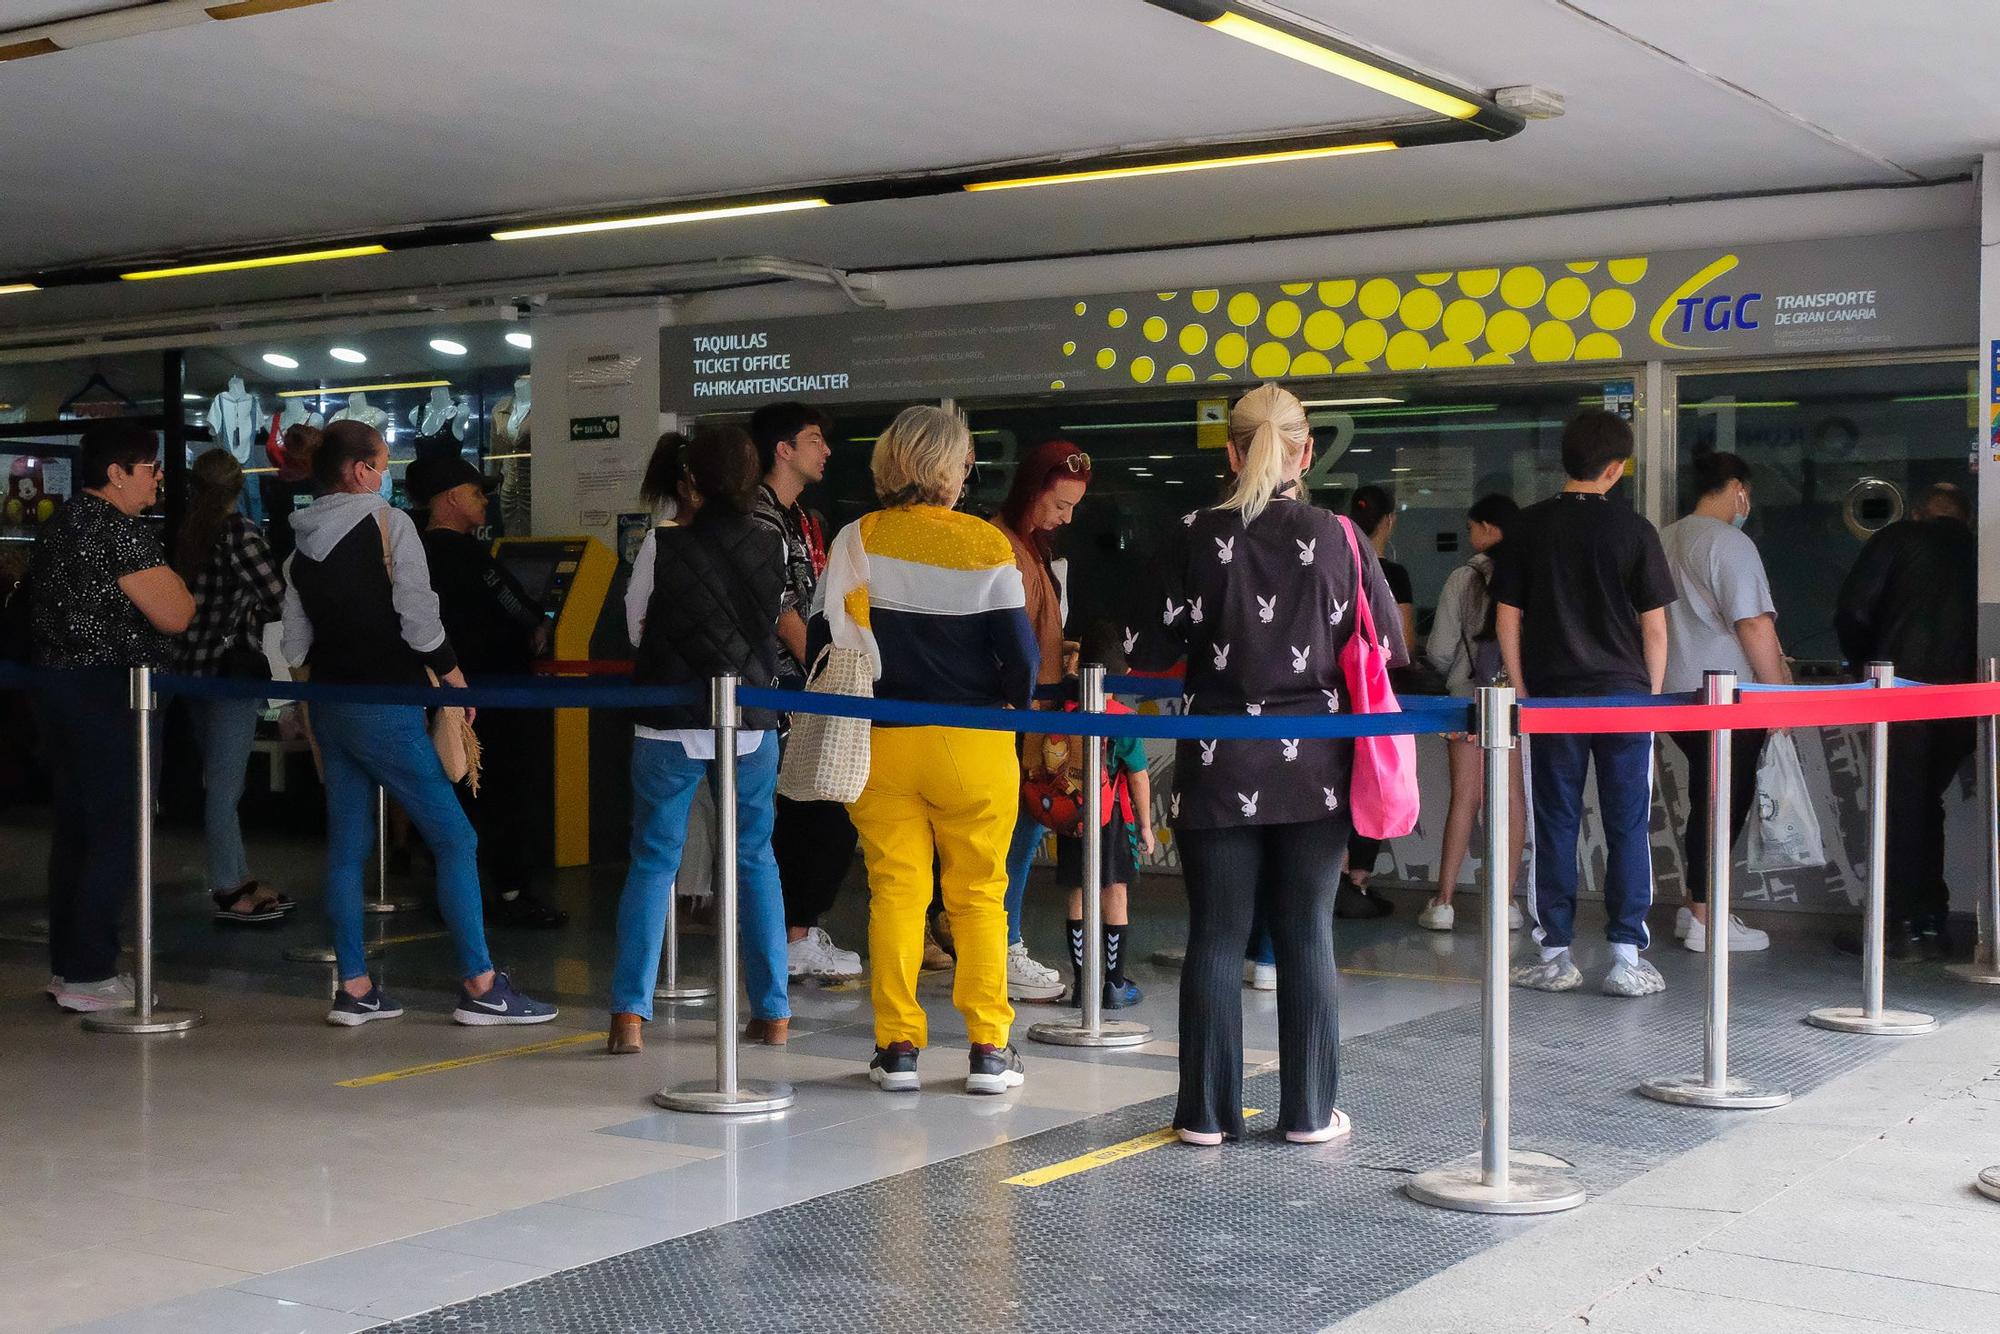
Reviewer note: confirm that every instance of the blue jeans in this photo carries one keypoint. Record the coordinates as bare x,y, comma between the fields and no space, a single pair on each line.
1625,801
366,746
1028,836
226,728
664,780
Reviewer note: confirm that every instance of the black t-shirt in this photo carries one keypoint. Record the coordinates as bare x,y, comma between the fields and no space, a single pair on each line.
488,619
1399,582
81,617
1582,569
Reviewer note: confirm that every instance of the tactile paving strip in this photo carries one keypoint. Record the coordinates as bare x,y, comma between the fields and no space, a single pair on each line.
1260,1235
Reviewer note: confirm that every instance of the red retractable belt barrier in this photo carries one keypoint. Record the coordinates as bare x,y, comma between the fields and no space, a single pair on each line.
1771,710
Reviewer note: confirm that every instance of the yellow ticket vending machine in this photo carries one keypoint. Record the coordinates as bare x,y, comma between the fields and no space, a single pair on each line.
571,577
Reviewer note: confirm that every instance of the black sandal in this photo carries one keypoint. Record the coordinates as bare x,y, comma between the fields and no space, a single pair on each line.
260,911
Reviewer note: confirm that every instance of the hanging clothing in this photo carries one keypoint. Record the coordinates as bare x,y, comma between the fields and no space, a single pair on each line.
233,420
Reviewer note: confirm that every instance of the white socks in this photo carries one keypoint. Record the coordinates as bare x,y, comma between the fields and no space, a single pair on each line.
1550,953
1628,954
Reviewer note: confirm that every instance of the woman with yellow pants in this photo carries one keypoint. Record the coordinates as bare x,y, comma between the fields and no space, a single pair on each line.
935,600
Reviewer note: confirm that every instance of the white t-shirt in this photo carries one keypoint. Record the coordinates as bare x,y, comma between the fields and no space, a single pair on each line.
1720,579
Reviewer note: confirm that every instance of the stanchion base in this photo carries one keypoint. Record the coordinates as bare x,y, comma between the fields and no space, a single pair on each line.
1537,1183
389,905
1988,1183
683,995
324,953
128,1021
1696,1091
1888,1024
753,1097
1984,974
1072,1033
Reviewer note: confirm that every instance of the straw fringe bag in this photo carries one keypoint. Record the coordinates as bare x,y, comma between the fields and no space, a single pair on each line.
452,737
826,759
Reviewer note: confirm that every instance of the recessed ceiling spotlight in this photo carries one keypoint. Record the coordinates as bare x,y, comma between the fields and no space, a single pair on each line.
346,354
446,346
281,361
521,340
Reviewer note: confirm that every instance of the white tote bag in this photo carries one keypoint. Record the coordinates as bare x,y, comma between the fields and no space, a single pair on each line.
826,759
1785,834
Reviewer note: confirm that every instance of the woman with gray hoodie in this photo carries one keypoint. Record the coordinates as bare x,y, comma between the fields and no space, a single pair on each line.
359,610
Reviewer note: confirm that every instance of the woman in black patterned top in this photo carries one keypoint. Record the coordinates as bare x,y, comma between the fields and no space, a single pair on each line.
1257,595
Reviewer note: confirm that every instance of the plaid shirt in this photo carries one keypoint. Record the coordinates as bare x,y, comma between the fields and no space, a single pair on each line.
235,595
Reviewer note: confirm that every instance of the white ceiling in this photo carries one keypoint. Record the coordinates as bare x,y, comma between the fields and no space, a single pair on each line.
361,115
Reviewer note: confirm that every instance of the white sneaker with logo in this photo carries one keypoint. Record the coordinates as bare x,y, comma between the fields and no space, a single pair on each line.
1742,939
1260,976
1437,916
815,955
1028,980
113,993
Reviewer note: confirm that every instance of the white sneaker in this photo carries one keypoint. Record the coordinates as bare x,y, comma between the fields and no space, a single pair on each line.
815,955
55,986
1516,919
1683,922
1637,978
1557,974
1742,939
1437,916
113,993
1260,976
1028,980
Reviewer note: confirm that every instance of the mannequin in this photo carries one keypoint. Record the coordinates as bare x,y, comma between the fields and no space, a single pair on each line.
296,413
433,417
510,436
234,419
359,409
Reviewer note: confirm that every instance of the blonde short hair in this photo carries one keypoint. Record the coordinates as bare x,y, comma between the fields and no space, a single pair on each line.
920,459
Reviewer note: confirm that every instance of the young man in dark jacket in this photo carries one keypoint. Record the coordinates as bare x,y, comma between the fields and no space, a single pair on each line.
497,630
1911,599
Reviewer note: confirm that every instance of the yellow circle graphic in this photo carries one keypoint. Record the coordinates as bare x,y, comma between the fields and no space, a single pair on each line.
1335,292
1626,271
1194,338
1507,331
1154,328
1446,355
1434,279
1231,349
1351,368
1613,308
1380,297
1463,320
1069,349
1522,287
1080,307
1056,384
1408,351
1553,341
1324,329
1568,298
1311,363
1598,347
1116,319
1365,340
1106,358
1295,289
1421,308
1179,373
1205,298
1493,359
1270,360
1282,319
1142,369
1581,265
1218,375
1478,282
1243,308
1166,296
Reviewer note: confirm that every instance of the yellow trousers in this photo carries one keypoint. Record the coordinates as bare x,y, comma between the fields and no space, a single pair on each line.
953,794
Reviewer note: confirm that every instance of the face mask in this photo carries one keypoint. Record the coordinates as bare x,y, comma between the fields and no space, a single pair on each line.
1741,517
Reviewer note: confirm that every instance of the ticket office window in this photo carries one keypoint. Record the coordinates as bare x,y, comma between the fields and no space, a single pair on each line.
1836,452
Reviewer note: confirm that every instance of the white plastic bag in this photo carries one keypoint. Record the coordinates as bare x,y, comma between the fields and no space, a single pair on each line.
1785,835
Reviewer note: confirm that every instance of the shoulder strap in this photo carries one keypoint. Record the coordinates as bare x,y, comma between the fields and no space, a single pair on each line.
1361,599
388,547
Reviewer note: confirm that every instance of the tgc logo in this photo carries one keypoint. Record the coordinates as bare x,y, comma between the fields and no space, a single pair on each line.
1691,300
1719,314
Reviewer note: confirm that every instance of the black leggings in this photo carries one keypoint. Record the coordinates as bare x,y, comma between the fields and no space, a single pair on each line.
1746,748
814,844
1290,872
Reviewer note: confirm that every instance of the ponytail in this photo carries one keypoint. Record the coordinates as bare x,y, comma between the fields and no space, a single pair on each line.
1269,429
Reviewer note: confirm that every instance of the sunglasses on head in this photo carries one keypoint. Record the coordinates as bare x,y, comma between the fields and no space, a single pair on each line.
1077,462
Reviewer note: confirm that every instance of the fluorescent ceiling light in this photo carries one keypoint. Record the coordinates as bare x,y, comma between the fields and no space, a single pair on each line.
1175,481
1347,402
346,354
261,262
446,346
9,289
281,361
1430,412
1159,456
521,340
1346,66
1717,404
1362,449
658,219
1196,164
332,390
1126,426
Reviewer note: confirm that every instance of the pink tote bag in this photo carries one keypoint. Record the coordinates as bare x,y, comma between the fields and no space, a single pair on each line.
1382,791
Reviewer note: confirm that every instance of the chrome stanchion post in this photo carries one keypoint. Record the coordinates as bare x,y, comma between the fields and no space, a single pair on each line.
1985,965
1089,1028
1713,1087
1872,1016
728,1094
144,1017
671,989
1498,1180
382,903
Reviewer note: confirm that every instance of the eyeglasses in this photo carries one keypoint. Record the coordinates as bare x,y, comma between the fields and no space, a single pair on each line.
1077,462
151,465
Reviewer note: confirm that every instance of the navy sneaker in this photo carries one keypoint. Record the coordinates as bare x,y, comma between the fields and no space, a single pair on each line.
1122,994
354,1011
894,1069
500,1005
994,1069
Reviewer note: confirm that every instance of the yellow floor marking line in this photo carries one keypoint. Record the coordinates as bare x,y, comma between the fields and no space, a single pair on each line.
409,939
1112,1153
1412,977
439,1067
